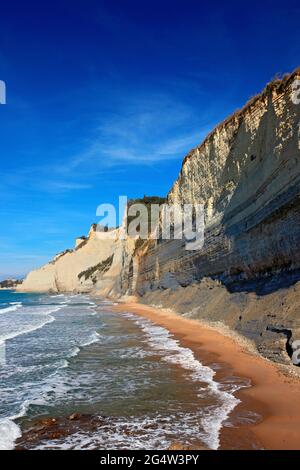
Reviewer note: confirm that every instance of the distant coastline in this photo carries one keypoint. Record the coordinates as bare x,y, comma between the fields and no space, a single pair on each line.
10,283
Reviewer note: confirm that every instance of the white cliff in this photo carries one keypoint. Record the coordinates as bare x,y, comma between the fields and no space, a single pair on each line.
62,273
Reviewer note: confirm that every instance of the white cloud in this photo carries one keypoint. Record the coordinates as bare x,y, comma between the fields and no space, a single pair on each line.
144,131
139,130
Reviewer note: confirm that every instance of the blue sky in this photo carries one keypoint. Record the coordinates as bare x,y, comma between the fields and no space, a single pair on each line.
105,98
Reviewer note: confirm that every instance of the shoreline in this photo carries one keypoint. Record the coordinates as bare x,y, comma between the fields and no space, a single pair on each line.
273,395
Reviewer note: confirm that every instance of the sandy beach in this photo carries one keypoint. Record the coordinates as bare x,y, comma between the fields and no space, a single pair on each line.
273,394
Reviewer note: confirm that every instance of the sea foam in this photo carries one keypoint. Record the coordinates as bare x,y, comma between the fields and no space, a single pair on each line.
162,341
9,432
12,308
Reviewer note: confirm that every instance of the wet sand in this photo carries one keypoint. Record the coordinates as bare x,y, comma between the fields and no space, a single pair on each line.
273,395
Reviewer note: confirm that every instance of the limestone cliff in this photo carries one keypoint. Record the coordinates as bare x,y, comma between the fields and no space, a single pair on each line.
68,271
247,175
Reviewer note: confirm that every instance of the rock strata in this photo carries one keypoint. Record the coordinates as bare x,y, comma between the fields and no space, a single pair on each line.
246,173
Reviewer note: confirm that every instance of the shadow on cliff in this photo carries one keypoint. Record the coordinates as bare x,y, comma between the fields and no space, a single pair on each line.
262,215
264,285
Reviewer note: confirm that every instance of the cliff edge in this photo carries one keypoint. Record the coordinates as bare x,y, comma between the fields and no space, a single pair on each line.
246,173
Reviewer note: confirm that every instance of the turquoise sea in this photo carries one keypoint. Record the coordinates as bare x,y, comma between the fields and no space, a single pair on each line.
62,354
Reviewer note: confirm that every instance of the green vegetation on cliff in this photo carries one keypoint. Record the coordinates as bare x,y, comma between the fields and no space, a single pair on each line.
101,267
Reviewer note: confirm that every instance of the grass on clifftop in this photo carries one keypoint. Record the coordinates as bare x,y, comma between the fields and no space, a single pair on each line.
146,201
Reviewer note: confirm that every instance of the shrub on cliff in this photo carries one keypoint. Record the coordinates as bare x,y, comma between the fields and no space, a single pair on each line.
101,267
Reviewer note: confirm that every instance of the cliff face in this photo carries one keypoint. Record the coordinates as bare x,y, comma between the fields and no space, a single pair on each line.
63,273
99,263
247,175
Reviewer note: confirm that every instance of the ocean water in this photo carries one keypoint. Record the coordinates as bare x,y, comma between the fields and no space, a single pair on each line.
61,354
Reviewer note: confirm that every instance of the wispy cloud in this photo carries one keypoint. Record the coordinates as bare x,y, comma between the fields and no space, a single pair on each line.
63,186
141,129
144,131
